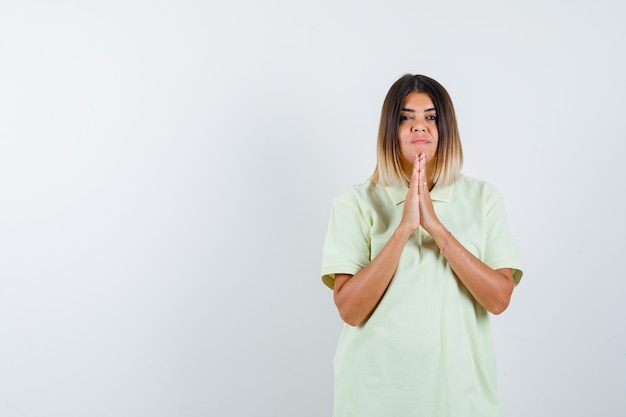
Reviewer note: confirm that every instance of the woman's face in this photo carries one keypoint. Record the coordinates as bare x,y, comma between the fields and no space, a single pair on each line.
417,131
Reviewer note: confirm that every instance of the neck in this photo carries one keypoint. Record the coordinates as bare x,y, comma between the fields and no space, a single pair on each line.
408,171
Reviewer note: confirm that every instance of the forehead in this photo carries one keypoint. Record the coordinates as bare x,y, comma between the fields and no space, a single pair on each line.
417,101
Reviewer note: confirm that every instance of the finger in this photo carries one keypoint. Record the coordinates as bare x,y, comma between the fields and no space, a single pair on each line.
422,171
415,174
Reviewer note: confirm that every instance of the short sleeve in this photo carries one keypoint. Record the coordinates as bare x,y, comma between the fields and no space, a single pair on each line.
499,248
347,244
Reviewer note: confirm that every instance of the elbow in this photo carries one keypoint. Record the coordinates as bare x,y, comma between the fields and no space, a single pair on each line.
501,298
350,313
498,308
500,304
353,323
349,317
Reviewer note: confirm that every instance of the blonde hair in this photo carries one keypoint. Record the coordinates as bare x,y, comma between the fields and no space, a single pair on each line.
449,157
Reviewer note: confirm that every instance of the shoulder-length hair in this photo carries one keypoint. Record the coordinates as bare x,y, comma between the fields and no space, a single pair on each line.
449,157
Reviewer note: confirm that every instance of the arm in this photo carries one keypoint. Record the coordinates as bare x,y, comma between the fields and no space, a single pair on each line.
356,296
491,288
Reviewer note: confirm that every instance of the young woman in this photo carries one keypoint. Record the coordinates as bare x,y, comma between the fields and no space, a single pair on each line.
417,256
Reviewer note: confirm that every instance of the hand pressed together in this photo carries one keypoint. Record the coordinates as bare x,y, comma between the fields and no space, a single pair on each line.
418,207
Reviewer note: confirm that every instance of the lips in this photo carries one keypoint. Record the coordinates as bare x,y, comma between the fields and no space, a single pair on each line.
420,141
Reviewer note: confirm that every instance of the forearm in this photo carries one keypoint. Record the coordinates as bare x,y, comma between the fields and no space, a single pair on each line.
357,296
491,288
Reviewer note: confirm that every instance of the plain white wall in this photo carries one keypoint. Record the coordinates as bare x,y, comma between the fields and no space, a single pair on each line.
167,169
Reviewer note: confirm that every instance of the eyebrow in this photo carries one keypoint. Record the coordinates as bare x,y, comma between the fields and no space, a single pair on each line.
413,111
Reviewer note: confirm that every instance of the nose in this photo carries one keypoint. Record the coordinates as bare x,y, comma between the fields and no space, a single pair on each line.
419,123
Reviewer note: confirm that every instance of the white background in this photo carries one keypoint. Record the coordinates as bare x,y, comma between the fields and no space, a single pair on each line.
167,170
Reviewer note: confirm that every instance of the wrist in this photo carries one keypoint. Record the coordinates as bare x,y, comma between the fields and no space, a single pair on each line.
444,245
403,232
440,234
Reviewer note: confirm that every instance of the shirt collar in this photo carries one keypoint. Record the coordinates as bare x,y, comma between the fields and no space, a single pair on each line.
397,193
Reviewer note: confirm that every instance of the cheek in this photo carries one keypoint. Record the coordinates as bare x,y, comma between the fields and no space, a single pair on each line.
406,153
404,134
433,130
401,138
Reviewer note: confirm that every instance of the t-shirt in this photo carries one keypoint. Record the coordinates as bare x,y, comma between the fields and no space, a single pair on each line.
426,350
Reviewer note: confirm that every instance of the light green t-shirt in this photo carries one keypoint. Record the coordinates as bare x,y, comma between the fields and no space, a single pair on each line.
426,350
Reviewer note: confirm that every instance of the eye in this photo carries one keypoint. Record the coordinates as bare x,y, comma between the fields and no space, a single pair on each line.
405,117
432,118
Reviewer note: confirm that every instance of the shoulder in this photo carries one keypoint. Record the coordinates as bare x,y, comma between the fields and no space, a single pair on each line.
475,188
364,194
369,201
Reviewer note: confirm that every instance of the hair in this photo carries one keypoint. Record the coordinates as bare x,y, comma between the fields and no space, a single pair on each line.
449,157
